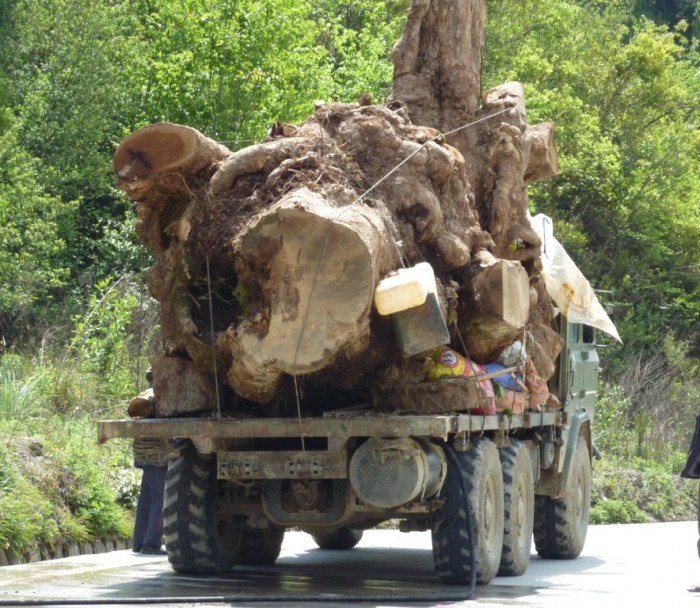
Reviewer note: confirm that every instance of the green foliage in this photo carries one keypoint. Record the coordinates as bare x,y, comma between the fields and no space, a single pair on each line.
359,37
230,68
617,511
638,490
17,392
56,483
673,12
90,495
75,87
103,343
74,99
31,250
649,414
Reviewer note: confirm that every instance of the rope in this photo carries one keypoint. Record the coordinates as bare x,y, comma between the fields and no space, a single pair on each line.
213,350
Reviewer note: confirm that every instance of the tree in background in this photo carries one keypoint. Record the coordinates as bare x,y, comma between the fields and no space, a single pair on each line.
81,75
623,92
31,250
671,12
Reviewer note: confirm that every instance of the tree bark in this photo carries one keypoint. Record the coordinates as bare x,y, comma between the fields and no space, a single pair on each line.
437,62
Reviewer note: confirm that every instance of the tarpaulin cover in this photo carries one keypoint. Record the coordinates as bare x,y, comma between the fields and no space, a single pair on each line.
566,285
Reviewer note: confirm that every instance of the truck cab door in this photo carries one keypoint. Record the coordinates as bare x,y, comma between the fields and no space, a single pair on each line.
582,367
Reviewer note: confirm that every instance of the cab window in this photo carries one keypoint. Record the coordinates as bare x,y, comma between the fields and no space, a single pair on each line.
574,331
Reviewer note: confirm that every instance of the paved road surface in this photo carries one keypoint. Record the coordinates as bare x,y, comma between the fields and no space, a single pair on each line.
633,565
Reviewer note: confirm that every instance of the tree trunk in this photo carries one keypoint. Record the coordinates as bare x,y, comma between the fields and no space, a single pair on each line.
437,62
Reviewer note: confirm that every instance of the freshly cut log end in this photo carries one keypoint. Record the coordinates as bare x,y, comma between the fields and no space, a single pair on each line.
495,308
163,147
315,267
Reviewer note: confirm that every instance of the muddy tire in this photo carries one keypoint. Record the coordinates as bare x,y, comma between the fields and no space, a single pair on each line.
519,500
561,523
260,547
480,467
344,538
201,535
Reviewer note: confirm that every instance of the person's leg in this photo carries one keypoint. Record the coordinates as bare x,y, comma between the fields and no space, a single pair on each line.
692,465
153,536
142,514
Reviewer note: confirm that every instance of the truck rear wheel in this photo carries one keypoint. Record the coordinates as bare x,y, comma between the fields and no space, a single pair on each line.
260,546
201,534
561,523
519,499
343,538
480,468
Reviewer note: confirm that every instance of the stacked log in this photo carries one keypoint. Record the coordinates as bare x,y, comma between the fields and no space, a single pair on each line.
266,259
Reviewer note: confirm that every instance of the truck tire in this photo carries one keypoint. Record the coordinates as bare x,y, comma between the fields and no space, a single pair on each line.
343,538
200,534
561,523
519,500
260,547
480,468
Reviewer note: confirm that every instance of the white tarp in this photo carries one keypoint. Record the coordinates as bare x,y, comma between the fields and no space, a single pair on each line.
566,284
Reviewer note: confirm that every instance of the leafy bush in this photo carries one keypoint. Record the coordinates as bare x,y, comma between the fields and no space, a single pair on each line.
638,492
617,511
101,339
56,483
90,495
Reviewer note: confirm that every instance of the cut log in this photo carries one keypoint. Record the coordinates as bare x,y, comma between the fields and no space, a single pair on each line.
158,167
181,388
313,268
504,202
165,148
496,308
543,159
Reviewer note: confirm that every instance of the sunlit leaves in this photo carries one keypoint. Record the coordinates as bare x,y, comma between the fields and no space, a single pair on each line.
30,248
623,94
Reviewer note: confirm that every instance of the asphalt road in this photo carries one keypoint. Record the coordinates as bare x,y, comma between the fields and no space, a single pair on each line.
632,565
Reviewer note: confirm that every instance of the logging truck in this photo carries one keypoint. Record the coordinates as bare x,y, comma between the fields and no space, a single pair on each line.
235,484
333,301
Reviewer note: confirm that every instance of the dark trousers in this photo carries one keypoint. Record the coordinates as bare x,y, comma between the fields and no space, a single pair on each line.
692,465
148,528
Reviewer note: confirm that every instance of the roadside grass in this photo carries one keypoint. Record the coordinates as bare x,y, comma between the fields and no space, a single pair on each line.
56,484
639,492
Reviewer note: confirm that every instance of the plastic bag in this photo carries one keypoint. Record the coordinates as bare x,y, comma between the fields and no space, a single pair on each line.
513,355
448,363
508,381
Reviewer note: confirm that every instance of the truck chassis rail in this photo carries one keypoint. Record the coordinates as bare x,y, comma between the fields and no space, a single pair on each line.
336,428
